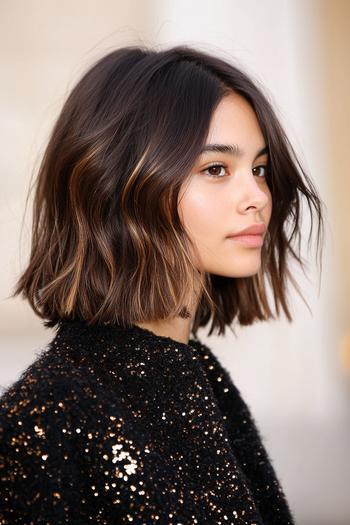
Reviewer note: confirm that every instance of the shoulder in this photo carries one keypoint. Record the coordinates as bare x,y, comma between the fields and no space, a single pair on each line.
61,392
58,423
52,378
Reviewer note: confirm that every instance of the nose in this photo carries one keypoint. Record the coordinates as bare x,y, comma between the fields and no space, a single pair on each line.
253,194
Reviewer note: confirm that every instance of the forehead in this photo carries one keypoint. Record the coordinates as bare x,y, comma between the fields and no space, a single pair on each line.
234,120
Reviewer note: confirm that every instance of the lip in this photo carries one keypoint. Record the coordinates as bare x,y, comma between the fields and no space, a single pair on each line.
248,240
257,229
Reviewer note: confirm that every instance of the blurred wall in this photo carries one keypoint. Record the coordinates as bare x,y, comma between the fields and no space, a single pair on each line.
333,24
290,374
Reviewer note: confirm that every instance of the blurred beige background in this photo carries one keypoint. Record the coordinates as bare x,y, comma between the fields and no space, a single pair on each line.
295,377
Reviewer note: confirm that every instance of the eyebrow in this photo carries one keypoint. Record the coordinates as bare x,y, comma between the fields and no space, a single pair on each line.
232,149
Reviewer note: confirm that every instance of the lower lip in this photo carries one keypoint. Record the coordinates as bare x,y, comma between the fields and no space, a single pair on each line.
249,240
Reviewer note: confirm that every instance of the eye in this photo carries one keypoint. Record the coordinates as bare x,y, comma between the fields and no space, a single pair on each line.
266,167
217,168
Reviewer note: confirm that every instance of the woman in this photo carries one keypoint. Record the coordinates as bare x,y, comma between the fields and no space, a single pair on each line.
157,163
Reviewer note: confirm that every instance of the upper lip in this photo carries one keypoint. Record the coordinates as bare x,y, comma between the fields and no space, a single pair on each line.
256,229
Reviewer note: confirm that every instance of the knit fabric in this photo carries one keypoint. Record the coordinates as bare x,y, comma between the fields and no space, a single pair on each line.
113,425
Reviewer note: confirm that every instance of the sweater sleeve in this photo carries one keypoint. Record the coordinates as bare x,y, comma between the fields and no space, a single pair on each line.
52,450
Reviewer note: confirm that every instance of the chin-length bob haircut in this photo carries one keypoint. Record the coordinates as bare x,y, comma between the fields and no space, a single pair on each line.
108,245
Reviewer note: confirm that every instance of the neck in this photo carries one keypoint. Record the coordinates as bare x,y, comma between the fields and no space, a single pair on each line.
177,328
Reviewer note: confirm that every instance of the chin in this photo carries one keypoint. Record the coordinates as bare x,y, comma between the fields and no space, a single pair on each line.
239,270
238,266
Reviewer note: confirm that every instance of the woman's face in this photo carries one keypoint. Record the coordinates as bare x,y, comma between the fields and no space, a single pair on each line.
220,201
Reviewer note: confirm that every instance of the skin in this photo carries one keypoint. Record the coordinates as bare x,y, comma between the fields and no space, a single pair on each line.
211,208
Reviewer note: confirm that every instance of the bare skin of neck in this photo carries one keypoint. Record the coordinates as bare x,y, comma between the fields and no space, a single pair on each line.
177,328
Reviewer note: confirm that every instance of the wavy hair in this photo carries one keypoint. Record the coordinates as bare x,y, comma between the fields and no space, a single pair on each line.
107,242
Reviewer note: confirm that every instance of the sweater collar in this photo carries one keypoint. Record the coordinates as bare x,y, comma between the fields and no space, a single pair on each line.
119,331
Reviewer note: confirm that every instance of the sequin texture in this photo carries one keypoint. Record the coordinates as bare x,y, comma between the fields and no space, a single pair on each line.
115,424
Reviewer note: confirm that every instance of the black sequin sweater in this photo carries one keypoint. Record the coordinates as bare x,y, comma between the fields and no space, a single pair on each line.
113,425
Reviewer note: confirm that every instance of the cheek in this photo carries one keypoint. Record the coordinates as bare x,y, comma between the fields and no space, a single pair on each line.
202,216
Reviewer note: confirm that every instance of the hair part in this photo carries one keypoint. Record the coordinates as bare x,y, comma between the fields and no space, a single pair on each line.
108,245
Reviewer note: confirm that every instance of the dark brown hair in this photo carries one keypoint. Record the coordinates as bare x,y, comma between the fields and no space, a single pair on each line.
107,242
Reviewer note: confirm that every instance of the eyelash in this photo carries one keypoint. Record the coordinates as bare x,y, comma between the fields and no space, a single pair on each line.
219,165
